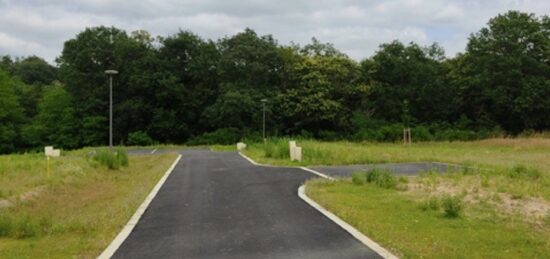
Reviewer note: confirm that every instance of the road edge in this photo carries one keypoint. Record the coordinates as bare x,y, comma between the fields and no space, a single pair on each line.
297,167
125,232
347,227
338,221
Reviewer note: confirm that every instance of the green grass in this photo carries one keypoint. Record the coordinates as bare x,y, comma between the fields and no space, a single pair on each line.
519,166
78,210
415,228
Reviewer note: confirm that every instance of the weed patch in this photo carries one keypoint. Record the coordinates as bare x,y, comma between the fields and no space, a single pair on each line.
430,204
452,206
381,178
523,172
112,160
358,178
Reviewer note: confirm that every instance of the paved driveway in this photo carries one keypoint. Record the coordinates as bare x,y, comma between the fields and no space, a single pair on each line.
219,205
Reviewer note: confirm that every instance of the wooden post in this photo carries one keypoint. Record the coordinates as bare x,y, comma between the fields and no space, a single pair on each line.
407,139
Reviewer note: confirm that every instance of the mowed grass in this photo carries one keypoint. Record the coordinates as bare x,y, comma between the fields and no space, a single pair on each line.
77,211
518,166
401,224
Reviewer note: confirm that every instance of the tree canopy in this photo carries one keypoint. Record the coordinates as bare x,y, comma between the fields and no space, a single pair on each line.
182,88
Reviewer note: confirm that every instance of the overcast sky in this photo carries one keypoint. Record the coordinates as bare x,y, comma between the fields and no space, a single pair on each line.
355,27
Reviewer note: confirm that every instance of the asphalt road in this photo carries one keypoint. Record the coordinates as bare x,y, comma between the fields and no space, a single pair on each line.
404,169
219,205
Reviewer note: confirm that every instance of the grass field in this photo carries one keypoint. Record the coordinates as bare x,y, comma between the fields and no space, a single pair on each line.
402,223
75,212
520,167
503,192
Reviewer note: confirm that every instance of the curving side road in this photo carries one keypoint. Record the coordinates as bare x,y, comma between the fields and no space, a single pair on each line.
218,205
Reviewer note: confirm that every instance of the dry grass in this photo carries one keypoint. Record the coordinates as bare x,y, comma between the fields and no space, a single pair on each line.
78,210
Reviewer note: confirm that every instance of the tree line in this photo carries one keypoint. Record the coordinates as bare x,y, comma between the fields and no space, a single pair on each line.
185,89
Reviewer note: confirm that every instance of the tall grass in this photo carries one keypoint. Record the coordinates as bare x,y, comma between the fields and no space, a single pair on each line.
76,210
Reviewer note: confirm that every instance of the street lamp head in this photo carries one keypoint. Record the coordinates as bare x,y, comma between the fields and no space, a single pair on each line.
263,100
111,72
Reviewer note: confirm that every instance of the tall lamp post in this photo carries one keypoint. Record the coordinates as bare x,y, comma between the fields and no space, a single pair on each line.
264,101
111,73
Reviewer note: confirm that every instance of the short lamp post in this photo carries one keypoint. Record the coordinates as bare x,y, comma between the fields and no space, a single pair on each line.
264,101
111,73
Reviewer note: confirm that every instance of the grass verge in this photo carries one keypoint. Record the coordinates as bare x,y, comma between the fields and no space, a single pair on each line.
77,210
519,167
412,227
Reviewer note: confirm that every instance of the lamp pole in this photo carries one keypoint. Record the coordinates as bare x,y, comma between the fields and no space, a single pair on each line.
264,101
111,73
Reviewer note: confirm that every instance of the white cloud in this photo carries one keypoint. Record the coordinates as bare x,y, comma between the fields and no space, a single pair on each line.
356,27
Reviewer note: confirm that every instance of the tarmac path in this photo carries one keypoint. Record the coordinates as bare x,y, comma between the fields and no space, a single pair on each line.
219,205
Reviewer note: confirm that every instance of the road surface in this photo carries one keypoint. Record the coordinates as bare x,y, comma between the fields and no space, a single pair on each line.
219,205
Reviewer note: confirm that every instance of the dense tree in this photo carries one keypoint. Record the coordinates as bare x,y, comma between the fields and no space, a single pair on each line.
506,70
181,88
55,122
35,71
408,77
11,114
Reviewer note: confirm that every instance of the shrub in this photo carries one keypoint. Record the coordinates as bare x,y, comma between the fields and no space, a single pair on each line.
430,204
329,135
277,148
452,205
381,178
224,136
358,178
523,172
139,138
21,226
421,133
112,160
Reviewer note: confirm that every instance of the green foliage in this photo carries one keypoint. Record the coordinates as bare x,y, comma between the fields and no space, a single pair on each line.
277,148
139,138
183,89
55,121
524,172
452,206
112,159
11,114
34,70
224,136
432,203
358,178
22,227
382,178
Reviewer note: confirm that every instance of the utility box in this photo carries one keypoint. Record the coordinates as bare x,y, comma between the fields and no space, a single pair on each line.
241,146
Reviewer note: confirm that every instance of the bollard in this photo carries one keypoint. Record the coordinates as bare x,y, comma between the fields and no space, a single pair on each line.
291,148
241,146
298,154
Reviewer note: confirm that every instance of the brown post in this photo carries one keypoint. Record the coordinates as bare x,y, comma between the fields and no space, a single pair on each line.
407,139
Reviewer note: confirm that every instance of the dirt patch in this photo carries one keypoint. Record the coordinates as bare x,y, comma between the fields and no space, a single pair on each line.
533,209
26,196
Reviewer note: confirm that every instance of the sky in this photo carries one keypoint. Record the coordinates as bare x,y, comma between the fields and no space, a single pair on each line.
356,27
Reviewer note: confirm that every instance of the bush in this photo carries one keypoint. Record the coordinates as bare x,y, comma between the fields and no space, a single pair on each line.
381,178
21,226
358,178
224,136
139,138
112,160
430,204
523,172
452,206
277,148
